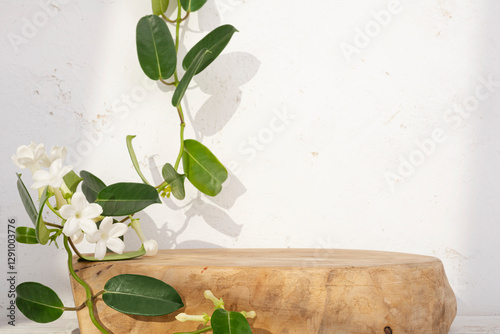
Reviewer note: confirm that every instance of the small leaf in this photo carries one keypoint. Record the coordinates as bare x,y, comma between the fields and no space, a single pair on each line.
155,48
115,257
26,199
225,322
159,6
202,168
192,5
72,180
141,295
215,42
121,199
186,79
133,157
91,185
175,180
38,302
41,231
26,235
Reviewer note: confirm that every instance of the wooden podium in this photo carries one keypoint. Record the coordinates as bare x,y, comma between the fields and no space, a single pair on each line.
303,291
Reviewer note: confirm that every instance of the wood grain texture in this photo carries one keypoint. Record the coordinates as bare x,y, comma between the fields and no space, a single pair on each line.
302,291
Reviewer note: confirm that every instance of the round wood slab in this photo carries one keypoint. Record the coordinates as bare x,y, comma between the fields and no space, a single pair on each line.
303,291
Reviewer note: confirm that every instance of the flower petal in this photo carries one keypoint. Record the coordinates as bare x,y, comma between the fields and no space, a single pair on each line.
91,211
93,238
106,225
78,201
116,245
67,211
100,250
71,227
77,237
117,230
88,226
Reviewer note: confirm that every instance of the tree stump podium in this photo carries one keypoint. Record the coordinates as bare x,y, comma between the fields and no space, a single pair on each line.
303,291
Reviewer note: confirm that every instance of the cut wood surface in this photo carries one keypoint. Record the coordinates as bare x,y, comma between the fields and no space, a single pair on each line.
304,291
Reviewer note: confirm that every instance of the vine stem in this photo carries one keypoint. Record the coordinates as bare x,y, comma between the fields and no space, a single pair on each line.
203,330
88,291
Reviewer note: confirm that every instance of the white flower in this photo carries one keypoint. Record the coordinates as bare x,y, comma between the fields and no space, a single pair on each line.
29,156
53,177
77,237
56,152
79,215
108,236
151,247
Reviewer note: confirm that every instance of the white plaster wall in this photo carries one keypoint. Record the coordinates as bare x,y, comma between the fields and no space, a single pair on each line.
335,138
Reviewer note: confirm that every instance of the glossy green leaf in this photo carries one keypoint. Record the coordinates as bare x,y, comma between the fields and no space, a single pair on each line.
91,186
133,157
175,180
202,168
214,42
141,295
41,231
72,180
26,199
159,6
26,235
226,322
121,199
38,302
115,257
186,79
192,5
155,48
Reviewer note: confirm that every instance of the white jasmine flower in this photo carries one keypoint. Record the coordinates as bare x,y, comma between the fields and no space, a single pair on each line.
183,317
53,177
108,236
29,156
151,247
79,215
56,152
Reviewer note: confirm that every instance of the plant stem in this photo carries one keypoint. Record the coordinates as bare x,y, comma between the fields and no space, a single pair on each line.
53,210
53,225
74,248
88,291
181,150
203,330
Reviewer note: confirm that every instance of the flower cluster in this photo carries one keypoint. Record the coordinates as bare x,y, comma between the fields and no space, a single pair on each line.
80,219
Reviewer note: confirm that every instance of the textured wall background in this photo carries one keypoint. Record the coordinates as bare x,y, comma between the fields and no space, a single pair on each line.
344,124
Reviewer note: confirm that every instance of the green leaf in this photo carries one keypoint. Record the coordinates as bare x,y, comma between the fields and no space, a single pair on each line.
202,168
186,79
26,199
91,185
175,180
159,6
38,302
115,257
26,235
155,48
225,322
121,199
192,5
41,231
214,42
72,180
134,158
141,295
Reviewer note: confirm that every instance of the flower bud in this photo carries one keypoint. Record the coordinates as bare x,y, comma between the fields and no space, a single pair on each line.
151,247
